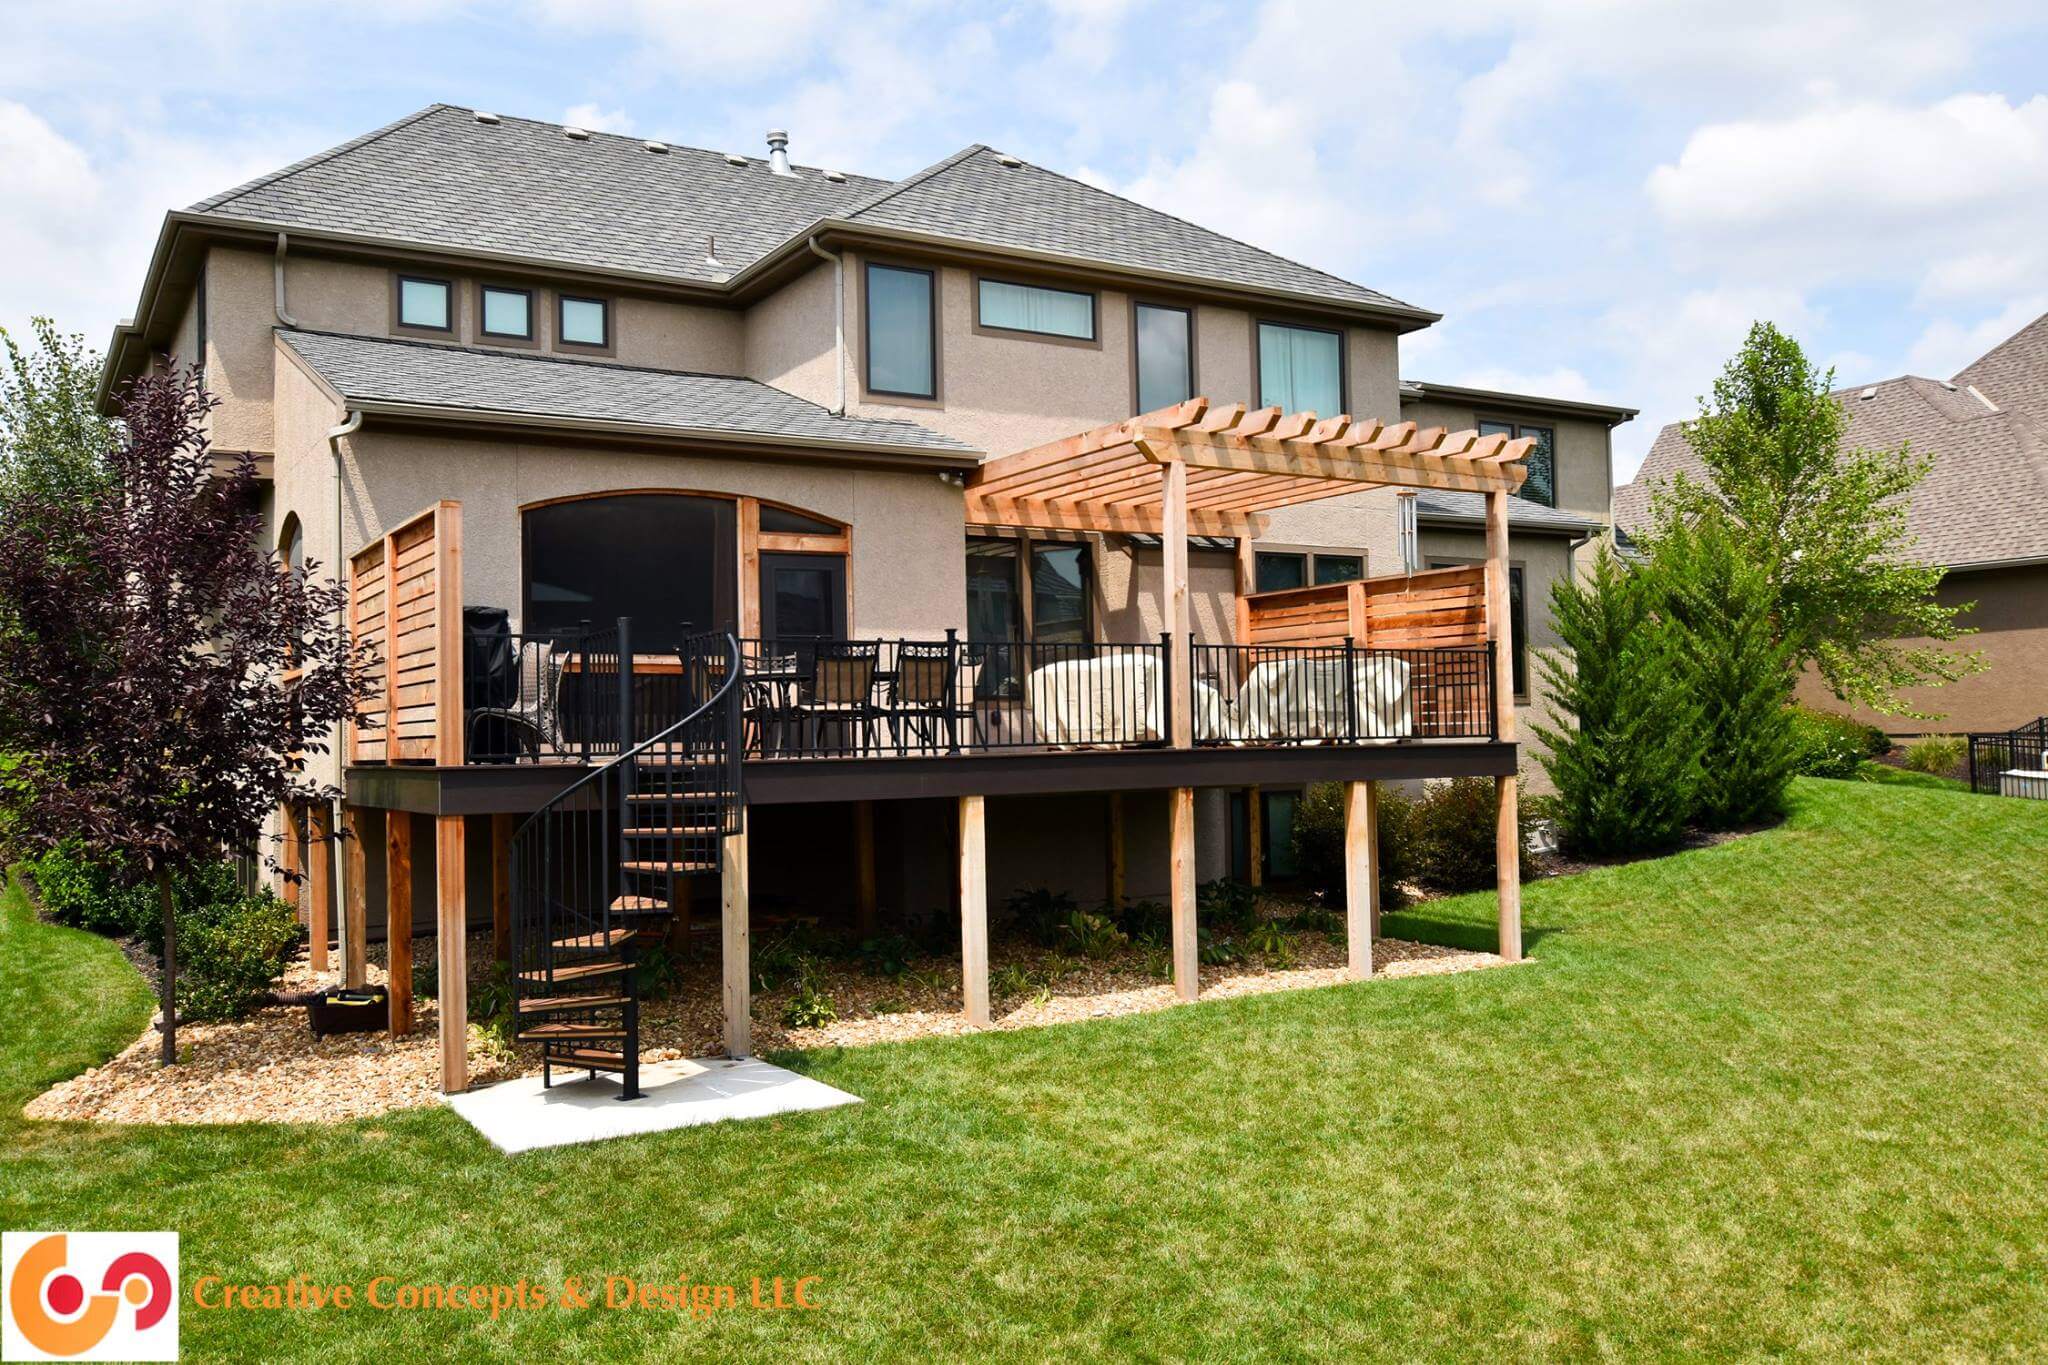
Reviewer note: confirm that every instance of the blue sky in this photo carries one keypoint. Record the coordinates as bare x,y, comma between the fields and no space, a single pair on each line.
1599,197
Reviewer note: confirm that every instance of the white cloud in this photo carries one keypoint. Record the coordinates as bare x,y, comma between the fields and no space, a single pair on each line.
597,120
1947,346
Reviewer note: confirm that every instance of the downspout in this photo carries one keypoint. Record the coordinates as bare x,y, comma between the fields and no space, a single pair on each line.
337,867
277,273
838,316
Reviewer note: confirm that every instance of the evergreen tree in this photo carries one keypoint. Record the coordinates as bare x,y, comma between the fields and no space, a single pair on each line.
1716,603
1625,754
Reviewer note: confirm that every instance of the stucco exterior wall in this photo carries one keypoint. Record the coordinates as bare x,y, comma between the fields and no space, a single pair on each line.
789,338
238,323
1130,584
2011,621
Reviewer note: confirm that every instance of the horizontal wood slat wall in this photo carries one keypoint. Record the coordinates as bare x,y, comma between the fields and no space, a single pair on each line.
405,605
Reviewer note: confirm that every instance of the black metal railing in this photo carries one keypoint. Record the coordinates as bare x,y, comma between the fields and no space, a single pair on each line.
1341,693
559,696
1992,755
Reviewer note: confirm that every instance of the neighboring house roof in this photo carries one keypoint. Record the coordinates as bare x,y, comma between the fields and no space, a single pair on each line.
424,379
1439,507
515,187
1981,500
1415,390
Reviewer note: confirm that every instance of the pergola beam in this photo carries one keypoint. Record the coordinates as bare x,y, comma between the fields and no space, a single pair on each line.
1108,518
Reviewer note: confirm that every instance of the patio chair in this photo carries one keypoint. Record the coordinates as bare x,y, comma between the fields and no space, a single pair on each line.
919,697
840,691
770,689
533,719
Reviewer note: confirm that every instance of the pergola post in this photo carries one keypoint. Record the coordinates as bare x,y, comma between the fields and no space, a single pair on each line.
451,925
736,963
1187,981
974,908
1507,846
1180,664
1361,875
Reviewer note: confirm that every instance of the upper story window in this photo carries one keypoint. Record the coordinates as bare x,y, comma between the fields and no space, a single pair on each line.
902,345
1164,338
583,321
1035,308
1278,570
506,314
1541,485
1301,369
427,305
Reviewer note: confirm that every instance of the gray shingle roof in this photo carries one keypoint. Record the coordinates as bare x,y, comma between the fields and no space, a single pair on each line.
440,179
1980,502
974,196
2014,373
1444,505
418,373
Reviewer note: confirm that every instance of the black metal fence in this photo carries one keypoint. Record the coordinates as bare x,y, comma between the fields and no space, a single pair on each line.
561,697
1341,693
2025,749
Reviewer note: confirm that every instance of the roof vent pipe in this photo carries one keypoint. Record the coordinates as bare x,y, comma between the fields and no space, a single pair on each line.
778,151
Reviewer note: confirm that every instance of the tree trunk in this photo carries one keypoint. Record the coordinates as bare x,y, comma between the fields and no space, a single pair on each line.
168,990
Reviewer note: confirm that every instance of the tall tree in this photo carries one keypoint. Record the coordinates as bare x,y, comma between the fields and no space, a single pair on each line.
163,689
51,428
1826,525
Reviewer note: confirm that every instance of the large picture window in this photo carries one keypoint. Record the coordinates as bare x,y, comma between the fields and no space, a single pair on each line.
1541,485
1301,369
1165,356
669,562
901,344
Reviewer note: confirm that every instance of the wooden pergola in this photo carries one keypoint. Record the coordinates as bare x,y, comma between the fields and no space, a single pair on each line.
1197,469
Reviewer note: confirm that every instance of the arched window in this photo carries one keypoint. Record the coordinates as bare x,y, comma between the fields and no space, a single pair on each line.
667,560
291,544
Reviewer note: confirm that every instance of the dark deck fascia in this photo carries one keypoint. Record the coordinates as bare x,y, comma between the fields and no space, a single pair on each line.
483,790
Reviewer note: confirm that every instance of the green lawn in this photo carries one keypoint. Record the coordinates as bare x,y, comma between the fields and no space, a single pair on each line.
1784,1095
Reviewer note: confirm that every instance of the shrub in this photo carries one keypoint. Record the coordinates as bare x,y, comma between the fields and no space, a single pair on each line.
89,893
889,955
1828,745
1624,755
1092,935
493,1005
1940,755
1319,841
1227,904
1451,834
1039,913
809,1007
1267,938
1144,921
656,975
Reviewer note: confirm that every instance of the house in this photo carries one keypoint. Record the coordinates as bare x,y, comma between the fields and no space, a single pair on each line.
738,538
1977,513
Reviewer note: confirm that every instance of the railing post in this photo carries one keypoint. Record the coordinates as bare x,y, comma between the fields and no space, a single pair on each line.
1166,686
1350,689
953,672
1492,680
625,683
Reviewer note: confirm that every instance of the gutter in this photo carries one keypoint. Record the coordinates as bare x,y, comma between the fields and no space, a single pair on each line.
838,315
277,272
337,867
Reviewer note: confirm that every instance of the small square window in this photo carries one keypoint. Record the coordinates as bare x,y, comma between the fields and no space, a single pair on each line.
1278,572
508,313
585,322
424,304
1339,568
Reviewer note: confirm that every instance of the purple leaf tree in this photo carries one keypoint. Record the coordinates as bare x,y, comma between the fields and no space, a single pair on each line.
163,677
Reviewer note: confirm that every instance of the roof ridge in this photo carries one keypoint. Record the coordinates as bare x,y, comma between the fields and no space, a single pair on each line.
918,177
228,196
1201,227
674,146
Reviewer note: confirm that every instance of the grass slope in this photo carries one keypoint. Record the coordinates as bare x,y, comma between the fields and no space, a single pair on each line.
1780,1095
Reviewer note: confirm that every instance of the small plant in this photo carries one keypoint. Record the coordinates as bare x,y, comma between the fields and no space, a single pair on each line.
890,1004
1092,935
889,956
1268,939
1145,921
1227,904
1316,918
1939,755
656,974
1012,978
492,1006
1213,949
1040,913
1829,745
809,1007
426,977
1057,967
777,961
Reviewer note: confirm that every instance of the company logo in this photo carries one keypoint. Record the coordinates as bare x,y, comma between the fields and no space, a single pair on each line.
89,1296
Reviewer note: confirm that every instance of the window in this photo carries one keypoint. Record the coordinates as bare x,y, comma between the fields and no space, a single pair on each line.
1165,342
507,313
901,346
584,322
1541,485
1301,369
425,304
669,562
1059,593
803,595
1035,308
1339,568
1518,623
1274,573
1278,570
781,521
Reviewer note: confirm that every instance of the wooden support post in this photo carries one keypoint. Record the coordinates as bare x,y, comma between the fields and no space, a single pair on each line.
974,908
355,923
1255,834
735,940
451,929
1174,550
291,859
1507,849
1186,966
398,916
1114,876
1361,875
320,879
864,865
501,887
1247,583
